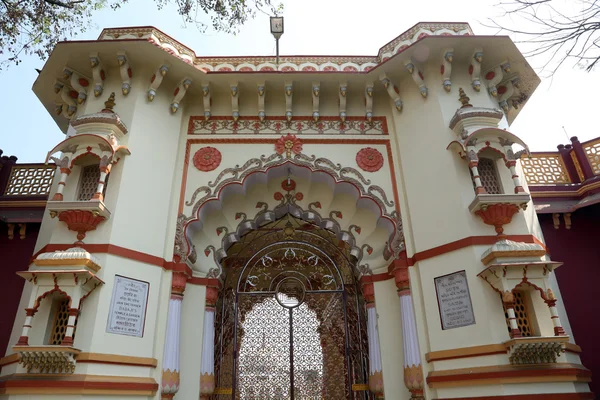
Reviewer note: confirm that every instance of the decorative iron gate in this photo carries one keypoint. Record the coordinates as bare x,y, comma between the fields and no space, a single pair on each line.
290,322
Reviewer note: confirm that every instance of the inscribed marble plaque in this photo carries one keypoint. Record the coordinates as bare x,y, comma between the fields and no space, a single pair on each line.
454,300
127,314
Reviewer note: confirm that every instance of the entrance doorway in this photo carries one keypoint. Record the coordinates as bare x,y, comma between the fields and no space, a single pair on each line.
290,321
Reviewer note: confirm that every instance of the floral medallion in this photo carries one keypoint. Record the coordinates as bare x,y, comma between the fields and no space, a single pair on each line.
288,144
207,159
369,159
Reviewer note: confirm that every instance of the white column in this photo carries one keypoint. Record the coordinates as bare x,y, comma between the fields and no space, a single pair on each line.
64,173
104,170
558,329
73,314
511,164
24,338
375,369
170,366
207,367
413,370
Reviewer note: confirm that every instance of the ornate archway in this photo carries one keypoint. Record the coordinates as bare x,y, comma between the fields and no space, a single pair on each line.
290,319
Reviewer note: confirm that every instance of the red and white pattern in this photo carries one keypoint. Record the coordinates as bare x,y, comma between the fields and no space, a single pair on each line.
278,125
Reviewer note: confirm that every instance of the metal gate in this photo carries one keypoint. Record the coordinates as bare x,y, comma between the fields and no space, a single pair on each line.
291,323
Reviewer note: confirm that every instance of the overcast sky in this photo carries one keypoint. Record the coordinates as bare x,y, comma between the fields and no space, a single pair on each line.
327,27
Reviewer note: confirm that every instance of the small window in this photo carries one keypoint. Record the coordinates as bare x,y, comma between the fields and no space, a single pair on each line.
60,321
522,314
488,174
88,183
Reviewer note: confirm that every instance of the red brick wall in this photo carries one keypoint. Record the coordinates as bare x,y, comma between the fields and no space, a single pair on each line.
14,256
579,279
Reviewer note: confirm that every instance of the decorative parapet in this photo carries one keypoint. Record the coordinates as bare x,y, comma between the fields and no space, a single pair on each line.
30,180
47,359
536,350
545,169
592,152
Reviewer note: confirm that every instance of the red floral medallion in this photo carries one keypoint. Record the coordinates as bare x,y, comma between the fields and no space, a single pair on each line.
288,144
369,159
207,159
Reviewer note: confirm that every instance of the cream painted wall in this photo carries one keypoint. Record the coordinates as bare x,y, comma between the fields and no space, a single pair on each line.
192,330
390,339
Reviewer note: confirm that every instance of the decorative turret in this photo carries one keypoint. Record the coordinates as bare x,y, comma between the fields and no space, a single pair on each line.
93,149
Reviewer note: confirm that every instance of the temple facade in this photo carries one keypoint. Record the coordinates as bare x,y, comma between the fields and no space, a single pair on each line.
331,227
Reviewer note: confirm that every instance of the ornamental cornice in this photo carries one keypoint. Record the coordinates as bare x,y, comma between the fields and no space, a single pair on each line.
294,63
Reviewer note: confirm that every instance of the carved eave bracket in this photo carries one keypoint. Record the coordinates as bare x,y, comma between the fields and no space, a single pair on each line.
47,359
288,89
155,81
179,93
125,71
78,82
536,350
62,278
369,93
343,91
509,94
261,90
446,68
508,274
495,76
67,106
392,90
475,68
98,73
235,100
417,76
206,100
316,90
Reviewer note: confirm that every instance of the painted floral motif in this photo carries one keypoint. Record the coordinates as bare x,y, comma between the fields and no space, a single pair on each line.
207,159
369,159
288,144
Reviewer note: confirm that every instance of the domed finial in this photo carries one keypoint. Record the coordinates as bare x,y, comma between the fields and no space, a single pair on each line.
464,99
110,103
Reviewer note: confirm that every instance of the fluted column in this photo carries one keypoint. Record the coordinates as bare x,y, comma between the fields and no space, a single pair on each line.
413,370
207,367
170,367
375,368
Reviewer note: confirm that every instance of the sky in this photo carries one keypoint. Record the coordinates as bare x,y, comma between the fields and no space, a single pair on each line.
314,27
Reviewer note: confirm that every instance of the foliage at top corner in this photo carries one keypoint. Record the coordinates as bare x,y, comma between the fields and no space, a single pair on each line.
33,27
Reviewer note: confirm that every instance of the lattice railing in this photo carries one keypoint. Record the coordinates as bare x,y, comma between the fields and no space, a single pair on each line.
30,180
592,151
544,168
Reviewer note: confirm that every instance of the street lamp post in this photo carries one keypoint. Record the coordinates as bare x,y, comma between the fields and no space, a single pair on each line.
277,31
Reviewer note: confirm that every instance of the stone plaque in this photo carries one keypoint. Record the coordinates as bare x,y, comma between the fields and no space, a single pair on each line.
127,315
454,300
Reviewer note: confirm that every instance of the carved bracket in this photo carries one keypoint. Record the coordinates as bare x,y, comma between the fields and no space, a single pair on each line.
536,350
98,74
156,80
179,93
47,359
392,90
342,96
125,71
206,100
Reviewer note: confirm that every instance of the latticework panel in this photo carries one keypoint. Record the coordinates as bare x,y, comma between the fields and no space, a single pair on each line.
88,185
521,314
30,180
59,327
592,151
544,168
489,176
